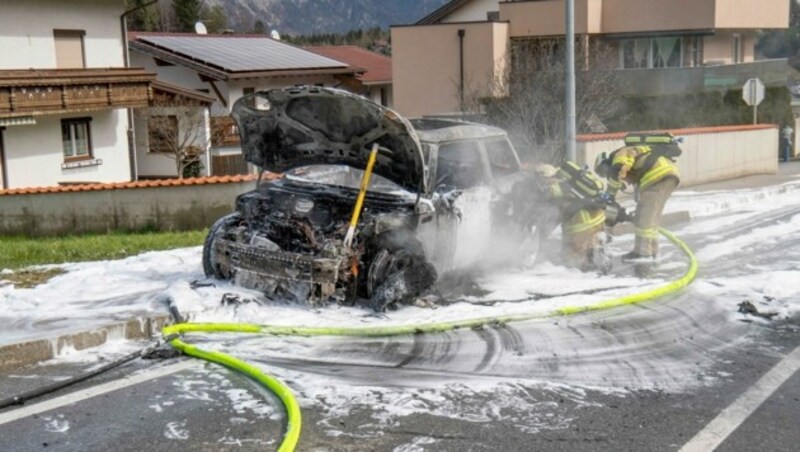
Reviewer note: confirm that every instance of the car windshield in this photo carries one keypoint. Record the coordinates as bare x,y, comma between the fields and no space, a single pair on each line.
344,176
459,165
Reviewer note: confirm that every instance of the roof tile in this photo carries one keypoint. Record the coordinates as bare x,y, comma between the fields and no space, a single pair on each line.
377,67
133,185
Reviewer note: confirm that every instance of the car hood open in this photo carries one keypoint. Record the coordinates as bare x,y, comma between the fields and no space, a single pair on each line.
287,128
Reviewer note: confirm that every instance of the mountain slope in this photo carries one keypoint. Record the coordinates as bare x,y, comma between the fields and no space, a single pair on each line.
324,16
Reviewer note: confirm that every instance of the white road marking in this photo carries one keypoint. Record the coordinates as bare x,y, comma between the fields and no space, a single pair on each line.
731,417
94,391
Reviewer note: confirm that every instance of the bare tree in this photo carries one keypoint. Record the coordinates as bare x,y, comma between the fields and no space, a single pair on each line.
530,104
177,131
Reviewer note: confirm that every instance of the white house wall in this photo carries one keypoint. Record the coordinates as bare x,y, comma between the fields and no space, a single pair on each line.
231,90
27,28
155,164
235,87
184,77
34,154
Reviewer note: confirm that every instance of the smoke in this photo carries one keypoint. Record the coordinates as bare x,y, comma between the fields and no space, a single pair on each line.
499,229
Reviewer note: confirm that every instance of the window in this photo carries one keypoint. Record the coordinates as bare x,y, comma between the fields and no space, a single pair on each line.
635,53
385,96
76,138
694,50
69,49
501,157
737,49
459,165
252,101
666,52
652,53
162,133
493,16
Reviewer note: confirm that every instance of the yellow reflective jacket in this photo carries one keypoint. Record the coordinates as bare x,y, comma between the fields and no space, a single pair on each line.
628,165
578,213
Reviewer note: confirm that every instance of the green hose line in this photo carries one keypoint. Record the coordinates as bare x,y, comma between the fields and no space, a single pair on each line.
285,395
294,419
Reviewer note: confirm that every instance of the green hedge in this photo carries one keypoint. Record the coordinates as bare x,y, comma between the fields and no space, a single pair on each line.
701,110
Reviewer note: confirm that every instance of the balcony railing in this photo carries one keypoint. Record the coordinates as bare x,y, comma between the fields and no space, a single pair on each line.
692,80
51,91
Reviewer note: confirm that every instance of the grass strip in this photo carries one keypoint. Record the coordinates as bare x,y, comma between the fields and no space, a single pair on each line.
20,252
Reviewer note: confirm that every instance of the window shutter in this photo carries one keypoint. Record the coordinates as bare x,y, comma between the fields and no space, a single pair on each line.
69,48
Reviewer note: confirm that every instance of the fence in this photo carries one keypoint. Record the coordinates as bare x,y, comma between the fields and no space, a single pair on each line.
228,165
163,205
709,153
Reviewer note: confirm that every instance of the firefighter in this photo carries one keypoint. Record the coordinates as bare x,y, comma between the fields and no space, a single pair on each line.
582,216
646,162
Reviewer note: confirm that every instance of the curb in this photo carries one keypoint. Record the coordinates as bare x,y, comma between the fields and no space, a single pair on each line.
13,356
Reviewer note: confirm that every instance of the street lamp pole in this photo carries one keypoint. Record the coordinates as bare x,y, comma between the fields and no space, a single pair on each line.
570,133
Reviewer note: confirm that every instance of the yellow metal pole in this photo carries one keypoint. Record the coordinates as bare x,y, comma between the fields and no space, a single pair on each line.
362,192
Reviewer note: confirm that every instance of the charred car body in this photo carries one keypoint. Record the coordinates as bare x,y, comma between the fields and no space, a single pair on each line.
286,236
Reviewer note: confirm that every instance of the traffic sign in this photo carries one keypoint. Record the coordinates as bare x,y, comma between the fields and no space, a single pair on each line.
753,92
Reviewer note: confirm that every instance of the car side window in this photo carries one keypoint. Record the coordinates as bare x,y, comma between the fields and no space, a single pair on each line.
459,165
501,157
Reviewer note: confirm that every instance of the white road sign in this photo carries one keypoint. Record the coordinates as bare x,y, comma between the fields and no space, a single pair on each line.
753,92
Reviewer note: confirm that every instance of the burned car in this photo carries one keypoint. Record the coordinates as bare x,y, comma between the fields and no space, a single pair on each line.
431,206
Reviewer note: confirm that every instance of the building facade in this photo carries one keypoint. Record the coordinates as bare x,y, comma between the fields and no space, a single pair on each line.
225,68
66,93
466,44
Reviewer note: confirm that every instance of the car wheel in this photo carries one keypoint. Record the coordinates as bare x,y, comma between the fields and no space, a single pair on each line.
397,252
210,266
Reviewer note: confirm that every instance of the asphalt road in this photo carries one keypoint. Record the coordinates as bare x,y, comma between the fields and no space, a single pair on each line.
685,372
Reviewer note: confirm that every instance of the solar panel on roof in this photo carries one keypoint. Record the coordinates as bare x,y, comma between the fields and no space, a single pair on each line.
243,54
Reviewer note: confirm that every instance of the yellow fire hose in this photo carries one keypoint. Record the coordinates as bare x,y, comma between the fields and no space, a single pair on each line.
292,433
362,192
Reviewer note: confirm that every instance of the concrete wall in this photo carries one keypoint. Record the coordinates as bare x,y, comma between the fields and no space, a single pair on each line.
752,14
718,49
425,64
709,154
183,207
26,31
34,154
546,17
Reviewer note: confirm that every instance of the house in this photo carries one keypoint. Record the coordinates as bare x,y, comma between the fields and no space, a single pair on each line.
66,94
226,67
174,133
674,46
375,83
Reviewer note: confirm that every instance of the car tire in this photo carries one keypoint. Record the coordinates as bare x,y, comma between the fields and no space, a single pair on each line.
218,228
396,252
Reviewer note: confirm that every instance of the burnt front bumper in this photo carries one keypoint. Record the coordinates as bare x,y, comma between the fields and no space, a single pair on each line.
301,275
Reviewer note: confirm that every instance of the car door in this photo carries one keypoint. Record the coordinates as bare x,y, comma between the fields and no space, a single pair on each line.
453,242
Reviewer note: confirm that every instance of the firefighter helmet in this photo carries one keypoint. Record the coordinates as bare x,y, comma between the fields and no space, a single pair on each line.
545,170
602,165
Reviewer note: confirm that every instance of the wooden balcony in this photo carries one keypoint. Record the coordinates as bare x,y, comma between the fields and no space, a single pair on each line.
37,92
